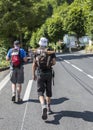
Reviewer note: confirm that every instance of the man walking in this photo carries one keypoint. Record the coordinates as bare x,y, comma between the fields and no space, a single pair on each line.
16,56
43,62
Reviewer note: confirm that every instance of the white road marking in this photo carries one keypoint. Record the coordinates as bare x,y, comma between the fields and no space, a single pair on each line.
26,97
27,93
67,61
4,81
77,68
24,116
90,76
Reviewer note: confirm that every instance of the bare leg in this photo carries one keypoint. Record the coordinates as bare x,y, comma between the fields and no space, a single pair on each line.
44,109
19,89
13,92
13,89
48,101
42,100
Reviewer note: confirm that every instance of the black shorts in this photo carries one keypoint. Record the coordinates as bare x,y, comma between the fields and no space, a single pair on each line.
44,84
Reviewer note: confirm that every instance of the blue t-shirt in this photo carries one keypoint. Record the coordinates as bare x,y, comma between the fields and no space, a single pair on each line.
22,55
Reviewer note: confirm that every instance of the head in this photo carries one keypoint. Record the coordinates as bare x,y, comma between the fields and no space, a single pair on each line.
16,44
43,42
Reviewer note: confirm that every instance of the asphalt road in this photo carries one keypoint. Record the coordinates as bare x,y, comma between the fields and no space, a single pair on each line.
72,101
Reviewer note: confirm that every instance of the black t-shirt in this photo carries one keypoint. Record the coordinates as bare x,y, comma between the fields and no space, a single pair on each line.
37,61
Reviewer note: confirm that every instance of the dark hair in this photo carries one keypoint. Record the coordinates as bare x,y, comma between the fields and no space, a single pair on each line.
16,42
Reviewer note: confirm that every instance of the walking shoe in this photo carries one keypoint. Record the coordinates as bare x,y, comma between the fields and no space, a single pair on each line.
44,113
13,98
49,112
19,100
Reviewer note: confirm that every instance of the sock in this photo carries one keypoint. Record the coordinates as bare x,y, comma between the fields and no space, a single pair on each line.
48,104
48,107
43,105
18,96
13,93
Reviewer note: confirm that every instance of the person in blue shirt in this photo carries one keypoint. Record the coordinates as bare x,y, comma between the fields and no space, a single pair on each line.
17,73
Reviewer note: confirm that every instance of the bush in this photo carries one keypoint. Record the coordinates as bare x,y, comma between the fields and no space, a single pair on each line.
3,53
89,48
3,62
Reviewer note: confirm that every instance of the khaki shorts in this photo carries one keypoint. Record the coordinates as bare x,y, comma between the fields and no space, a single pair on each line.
17,75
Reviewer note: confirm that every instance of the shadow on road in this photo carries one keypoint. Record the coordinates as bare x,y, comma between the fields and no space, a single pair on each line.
86,116
53,101
59,100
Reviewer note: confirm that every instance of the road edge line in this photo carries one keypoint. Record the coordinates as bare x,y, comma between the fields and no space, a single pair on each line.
4,81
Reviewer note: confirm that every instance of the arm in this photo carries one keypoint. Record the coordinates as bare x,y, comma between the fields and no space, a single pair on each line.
25,59
33,71
7,58
23,55
53,61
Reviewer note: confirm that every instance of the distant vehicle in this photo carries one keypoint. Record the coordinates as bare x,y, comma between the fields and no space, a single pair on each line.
71,41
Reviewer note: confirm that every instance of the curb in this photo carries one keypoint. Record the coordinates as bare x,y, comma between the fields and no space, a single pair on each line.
2,69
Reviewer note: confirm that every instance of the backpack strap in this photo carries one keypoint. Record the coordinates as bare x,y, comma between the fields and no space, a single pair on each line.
48,60
37,56
53,75
16,49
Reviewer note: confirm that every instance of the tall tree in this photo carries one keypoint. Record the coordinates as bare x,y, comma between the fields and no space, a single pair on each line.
55,28
88,11
74,21
18,17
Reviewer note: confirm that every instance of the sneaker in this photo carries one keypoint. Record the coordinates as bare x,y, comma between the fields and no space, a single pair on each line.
49,112
44,113
13,98
19,100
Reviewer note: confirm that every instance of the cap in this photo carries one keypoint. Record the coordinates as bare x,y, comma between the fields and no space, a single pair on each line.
16,42
43,41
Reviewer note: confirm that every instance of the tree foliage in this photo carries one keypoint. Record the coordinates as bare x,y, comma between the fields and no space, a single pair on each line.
54,28
28,20
18,17
74,22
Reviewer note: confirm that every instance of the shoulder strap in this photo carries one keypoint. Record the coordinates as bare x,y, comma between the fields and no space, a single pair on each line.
48,60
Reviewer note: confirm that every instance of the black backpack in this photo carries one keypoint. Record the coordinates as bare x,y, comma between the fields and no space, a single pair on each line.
43,60
44,63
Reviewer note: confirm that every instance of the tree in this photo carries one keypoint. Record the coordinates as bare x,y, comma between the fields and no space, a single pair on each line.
18,17
33,42
88,12
74,21
55,28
